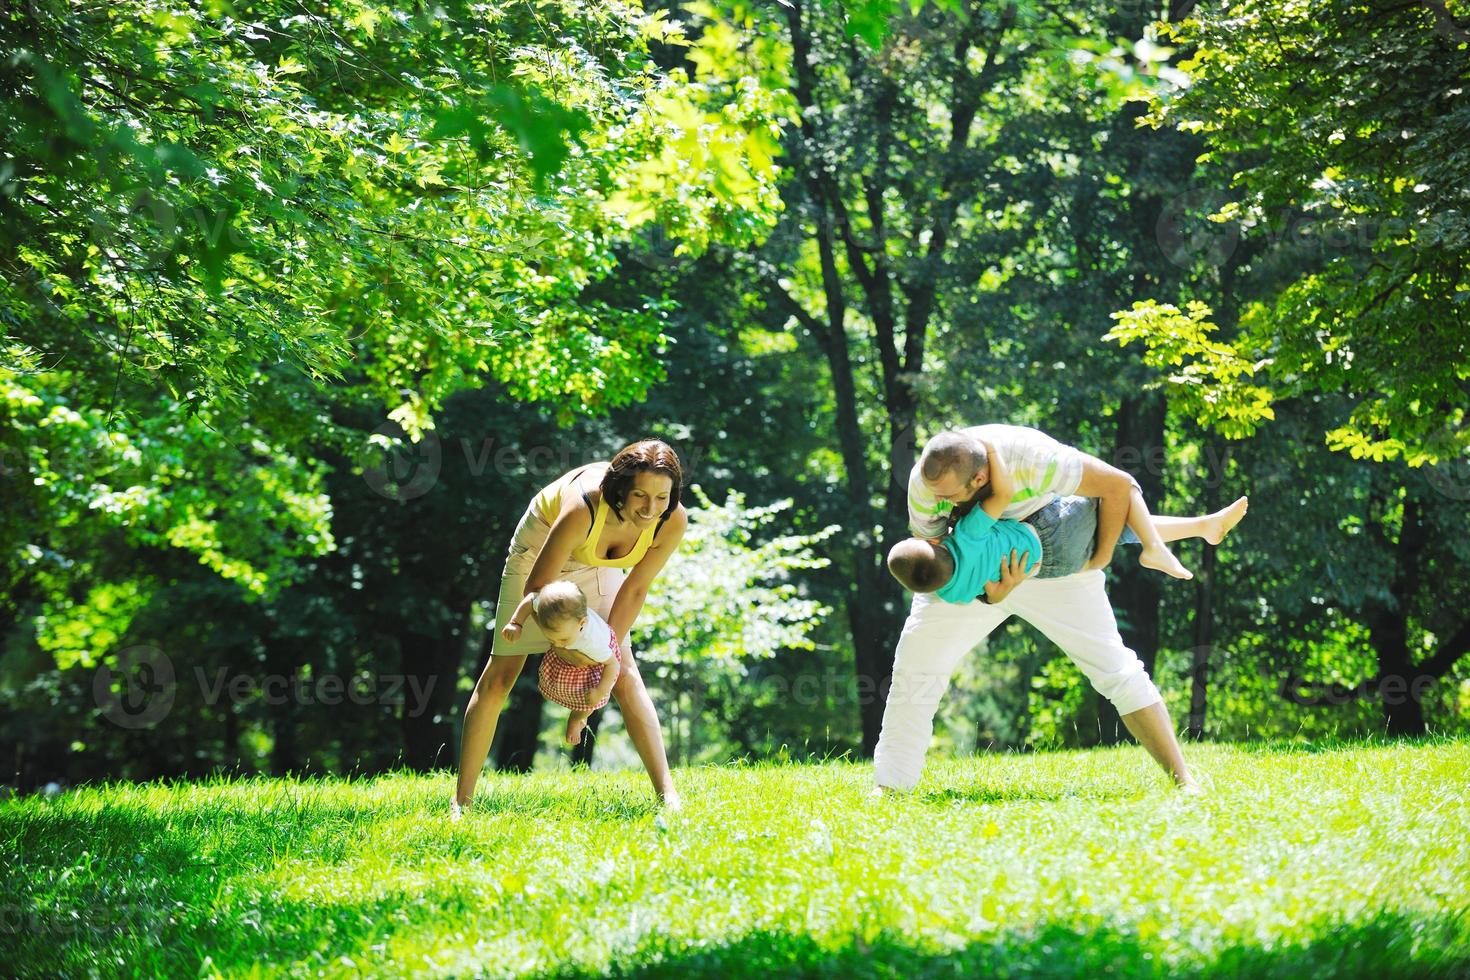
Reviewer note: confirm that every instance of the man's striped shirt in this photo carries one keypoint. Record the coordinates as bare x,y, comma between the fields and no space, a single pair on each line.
1043,468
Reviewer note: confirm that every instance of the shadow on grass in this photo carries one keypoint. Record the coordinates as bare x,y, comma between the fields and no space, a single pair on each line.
586,804
1334,744
981,793
124,890
1390,945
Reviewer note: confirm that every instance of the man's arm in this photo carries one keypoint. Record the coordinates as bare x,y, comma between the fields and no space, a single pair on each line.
1012,574
1112,487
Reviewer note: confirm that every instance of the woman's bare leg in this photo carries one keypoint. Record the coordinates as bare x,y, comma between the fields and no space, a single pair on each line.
488,697
1211,527
640,718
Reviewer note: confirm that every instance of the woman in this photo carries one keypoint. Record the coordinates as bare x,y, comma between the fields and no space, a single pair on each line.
609,528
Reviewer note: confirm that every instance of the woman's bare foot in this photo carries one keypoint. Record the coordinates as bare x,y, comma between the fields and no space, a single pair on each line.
575,725
1162,559
456,812
669,798
1222,521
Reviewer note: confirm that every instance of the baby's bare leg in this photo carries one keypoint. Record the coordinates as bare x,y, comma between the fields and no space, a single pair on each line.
1156,554
575,723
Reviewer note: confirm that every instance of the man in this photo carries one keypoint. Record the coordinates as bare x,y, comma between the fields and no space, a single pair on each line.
1073,611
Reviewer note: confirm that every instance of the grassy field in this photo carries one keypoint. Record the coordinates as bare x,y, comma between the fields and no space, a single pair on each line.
1340,861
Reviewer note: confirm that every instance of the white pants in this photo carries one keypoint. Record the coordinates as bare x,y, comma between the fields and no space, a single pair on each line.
1073,612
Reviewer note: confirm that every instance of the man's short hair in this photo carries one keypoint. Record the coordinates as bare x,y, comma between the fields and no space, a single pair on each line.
559,601
954,452
920,566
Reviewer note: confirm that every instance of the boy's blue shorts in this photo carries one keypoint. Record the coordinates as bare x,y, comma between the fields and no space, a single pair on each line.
1067,528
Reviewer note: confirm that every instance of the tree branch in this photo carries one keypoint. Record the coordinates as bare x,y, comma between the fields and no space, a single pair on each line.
1448,654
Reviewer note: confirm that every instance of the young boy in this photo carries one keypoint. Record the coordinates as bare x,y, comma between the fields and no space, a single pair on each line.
1061,535
561,611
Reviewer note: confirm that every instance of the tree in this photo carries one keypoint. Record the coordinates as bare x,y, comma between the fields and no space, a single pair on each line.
1341,189
915,176
726,598
1310,138
228,234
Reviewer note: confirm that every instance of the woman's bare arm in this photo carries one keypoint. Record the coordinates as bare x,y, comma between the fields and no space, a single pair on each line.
571,527
629,601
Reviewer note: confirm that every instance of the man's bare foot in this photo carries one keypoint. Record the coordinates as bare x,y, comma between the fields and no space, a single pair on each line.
1222,521
1162,559
575,724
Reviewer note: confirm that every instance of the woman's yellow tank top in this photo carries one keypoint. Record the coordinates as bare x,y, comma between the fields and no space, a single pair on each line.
548,506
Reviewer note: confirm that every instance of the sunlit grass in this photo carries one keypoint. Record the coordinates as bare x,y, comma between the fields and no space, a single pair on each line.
1351,861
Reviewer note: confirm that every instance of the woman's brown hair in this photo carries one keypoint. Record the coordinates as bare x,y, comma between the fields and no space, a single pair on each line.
647,456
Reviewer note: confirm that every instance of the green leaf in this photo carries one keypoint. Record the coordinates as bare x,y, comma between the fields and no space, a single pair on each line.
868,19
540,125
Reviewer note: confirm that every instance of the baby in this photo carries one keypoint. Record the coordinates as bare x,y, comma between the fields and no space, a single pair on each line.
1061,535
561,611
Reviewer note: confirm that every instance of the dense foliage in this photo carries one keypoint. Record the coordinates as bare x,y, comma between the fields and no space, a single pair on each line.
302,302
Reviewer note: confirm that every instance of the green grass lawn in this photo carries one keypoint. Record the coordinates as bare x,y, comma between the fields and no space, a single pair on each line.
1345,861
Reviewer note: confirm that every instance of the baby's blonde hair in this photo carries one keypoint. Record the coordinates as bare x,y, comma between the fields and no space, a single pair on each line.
558,602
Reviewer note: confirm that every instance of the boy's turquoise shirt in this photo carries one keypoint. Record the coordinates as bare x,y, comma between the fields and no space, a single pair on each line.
979,543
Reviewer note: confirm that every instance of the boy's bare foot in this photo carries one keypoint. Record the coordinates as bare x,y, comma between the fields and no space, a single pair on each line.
1222,521
1163,560
575,724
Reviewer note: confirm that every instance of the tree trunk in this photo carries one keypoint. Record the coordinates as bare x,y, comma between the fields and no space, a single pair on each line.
872,603
1388,627
231,754
430,666
281,661
1204,600
519,731
1138,590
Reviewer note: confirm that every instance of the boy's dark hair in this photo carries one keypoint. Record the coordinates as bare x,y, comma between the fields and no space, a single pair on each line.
920,566
954,452
559,601
648,456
